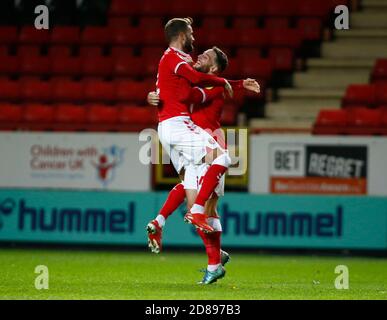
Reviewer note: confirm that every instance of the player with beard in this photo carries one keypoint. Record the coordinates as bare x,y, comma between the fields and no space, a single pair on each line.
186,143
206,113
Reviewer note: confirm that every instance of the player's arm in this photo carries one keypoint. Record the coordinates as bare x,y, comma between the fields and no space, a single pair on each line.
248,84
184,70
201,95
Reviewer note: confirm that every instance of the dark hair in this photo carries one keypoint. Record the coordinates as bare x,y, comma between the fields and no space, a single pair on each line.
221,59
176,25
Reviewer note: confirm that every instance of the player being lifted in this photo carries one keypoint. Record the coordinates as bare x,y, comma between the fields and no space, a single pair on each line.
186,143
206,114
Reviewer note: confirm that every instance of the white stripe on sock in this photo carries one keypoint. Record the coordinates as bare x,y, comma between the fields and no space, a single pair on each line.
161,220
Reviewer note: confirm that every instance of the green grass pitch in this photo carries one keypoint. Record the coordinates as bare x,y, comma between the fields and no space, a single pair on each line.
76,274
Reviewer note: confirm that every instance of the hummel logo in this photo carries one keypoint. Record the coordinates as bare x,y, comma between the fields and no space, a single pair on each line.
6,208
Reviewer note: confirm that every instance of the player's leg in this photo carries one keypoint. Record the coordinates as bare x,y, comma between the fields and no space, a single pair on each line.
155,227
215,269
211,179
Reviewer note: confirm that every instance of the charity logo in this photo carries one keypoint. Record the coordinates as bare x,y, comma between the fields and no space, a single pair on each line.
107,163
6,208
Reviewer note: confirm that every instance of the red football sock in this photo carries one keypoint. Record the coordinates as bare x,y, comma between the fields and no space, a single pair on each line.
175,198
210,181
212,243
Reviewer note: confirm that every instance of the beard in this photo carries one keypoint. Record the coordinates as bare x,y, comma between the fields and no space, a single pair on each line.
188,46
201,68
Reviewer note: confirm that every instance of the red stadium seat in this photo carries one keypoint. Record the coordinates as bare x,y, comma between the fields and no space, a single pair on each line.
126,36
8,35
290,38
316,8
31,35
124,8
187,8
210,37
310,28
276,23
35,112
248,53
118,22
67,35
9,90
154,8
3,51
151,64
379,72
121,52
99,91
133,91
66,66
329,118
9,65
381,94
58,51
280,8
28,50
70,113
136,115
153,52
93,35
229,114
245,23
67,90
97,66
35,65
218,8
90,51
151,22
360,94
260,68
233,69
253,38
152,37
36,90
281,58
99,113
250,8
364,117
128,66
213,23
10,112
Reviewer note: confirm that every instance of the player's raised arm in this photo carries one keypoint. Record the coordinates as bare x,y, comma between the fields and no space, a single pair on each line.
202,95
248,84
198,78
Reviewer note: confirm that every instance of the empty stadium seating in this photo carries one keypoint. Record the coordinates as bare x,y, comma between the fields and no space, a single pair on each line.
96,71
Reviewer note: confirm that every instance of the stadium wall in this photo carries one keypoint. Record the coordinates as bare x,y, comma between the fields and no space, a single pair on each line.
249,221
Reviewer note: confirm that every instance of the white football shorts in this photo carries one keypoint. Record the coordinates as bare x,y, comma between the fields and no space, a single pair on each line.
185,142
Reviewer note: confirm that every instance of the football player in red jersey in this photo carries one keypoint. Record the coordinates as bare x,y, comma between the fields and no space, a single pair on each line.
186,143
206,113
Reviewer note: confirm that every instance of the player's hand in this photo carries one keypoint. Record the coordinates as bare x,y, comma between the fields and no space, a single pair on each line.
228,88
252,85
153,98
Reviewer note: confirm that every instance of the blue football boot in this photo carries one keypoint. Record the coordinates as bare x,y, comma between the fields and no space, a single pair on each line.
213,276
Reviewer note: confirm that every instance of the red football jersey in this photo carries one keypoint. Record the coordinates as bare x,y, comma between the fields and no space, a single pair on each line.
208,104
207,108
174,80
